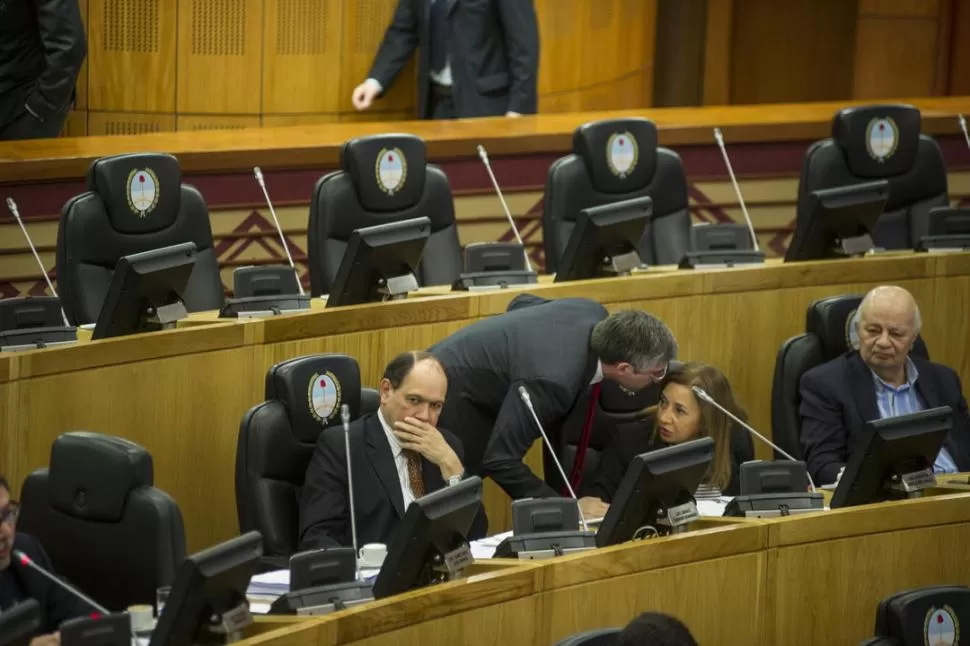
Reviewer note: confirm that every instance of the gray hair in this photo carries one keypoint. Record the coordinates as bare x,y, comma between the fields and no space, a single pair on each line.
894,291
633,337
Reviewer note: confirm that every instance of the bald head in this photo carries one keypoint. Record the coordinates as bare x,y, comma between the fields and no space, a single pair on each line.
889,322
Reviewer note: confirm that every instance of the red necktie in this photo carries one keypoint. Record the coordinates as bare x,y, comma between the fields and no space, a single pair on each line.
576,474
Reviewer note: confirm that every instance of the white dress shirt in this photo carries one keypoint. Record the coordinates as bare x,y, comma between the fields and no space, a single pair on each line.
400,461
598,377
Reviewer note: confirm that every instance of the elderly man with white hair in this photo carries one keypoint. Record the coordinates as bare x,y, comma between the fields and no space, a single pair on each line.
878,380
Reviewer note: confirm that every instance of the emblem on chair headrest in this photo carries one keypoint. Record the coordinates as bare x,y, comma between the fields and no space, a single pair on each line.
851,331
391,170
324,396
941,627
621,153
142,191
882,137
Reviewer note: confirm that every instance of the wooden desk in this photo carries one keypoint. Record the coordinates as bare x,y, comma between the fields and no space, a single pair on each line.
803,580
182,393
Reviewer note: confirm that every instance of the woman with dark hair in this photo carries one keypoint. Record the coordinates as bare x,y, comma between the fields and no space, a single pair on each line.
680,416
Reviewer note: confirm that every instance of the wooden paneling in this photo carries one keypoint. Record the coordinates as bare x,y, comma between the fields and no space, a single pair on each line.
76,124
899,8
894,57
792,51
364,24
131,55
272,121
196,122
219,51
302,56
717,52
959,64
129,123
679,57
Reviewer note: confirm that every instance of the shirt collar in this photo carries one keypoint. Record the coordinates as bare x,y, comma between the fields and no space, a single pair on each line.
912,374
598,375
391,437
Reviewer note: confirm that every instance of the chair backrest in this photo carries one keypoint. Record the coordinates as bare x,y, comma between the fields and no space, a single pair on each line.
829,333
598,637
94,508
611,161
877,142
930,615
277,439
134,203
880,641
383,178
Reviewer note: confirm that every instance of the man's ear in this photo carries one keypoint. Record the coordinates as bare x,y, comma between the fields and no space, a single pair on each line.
384,389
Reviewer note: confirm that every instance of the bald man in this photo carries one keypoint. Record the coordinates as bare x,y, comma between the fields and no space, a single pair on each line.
878,380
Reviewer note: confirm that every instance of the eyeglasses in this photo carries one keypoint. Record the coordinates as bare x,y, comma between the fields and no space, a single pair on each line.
9,515
657,378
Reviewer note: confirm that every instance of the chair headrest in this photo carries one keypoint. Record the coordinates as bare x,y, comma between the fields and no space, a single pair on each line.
831,320
878,140
387,170
917,616
313,388
141,191
620,154
91,474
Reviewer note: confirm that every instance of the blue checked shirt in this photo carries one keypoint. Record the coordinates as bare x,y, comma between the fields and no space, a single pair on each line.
903,400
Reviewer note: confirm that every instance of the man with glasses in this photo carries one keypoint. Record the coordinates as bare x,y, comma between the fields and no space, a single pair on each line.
559,351
18,584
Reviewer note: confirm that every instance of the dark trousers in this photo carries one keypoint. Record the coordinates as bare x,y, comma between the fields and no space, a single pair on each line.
27,126
442,103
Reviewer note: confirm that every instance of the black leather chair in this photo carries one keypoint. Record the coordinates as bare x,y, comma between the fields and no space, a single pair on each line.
277,439
134,203
873,143
598,637
383,178
930,615
104,525
611,161
829,322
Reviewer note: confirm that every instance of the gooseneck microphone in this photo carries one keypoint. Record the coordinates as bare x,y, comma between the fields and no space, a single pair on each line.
508,214
15,212
702,394
27,562
345,419
527,400
963,127
737,189
258,173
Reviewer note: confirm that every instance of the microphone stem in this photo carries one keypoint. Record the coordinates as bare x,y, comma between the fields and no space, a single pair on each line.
527,400
508,213
345,418
963,127
737,189
36,568
279,229
11,205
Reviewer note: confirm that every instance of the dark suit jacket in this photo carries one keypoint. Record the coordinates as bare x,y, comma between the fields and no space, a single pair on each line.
629,442
838,398
57,605
494,54
544,347
378,501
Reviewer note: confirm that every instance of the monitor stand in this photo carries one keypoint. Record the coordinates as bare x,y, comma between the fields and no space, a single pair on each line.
912,484
229,628
623,264
165,316
397,287
855,245
678,517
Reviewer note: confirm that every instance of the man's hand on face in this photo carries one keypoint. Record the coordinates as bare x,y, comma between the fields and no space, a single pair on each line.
422,437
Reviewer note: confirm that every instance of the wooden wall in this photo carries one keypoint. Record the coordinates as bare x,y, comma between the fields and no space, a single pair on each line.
162,65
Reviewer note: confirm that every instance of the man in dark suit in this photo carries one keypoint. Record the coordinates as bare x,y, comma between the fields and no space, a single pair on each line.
877,381
560,351
476,58
42,47
398,455
17,583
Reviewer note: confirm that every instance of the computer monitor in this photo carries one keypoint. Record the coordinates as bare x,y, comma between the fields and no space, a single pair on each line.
605,240
108,630
146,291
893,457
431,543
725,244
948,229
19,624
657,492
380,262
208,601
840,222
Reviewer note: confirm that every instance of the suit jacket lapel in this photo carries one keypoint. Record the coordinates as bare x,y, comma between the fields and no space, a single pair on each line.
451,5
380,457
863,390
929,390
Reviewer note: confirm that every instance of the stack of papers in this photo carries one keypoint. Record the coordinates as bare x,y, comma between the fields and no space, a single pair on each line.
713,506
269,584
484,548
